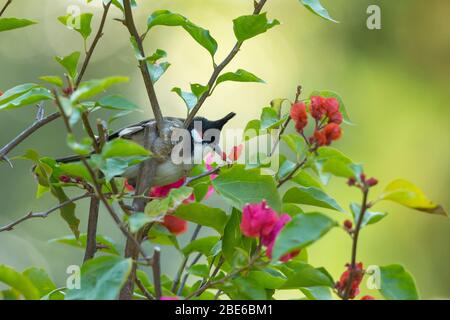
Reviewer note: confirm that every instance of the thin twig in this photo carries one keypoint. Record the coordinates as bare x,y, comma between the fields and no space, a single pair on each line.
177,278
144,290
364,207
45,214
292,173
5,6
202,175
129,23
98,35
186,275
217,70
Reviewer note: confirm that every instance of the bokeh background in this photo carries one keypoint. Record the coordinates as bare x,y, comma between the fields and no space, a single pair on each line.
395,82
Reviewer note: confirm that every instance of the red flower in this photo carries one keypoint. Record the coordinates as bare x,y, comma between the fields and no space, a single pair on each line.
331,105
335,117
258,220
341,286
318,109
299,115
163,191
269,240
372,182
128,186
174,224
332,132
235,152
1,93
368,298
320,138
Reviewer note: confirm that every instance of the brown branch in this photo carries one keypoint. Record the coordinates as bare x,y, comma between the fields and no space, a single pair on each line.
144,290
129,23
4,7
45,214
91,241
217,70
97,37
157,272
202,175
26,133
292,173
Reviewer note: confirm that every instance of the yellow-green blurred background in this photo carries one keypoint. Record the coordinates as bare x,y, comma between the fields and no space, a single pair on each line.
395,82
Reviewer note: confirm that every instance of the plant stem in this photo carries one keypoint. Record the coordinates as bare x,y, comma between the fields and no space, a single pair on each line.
45,214
5,6
364,207
91,241
292,173
129,23
97,37
157,272
217,70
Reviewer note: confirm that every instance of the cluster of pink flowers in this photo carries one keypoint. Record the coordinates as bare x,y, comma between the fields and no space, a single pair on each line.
260,221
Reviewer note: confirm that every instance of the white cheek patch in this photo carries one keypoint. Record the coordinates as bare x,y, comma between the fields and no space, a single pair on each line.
129,130
196,136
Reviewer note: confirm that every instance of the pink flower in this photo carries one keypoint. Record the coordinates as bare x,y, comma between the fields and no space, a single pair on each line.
163,191
258,220
269,240
168,298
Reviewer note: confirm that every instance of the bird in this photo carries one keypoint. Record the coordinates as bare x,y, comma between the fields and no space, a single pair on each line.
201,133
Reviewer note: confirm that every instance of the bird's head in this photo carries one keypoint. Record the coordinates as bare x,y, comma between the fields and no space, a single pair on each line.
207,132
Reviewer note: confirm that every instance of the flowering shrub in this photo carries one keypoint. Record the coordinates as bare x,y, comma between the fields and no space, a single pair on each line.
257,243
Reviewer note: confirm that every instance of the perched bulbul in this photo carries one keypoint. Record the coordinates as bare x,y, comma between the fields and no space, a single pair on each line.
201,133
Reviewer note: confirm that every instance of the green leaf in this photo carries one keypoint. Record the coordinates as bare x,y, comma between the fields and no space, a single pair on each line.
24,95
201,214
330,160
160,235
80,23
199,270
317,293
107,245
305,275
18,282
75,170
70,63
311,196
53,80
40,280
157,70
270,118
407,194
370,217
167,18
295,142
189,98
316,7
267,278
123,148
67,211
240,187
175,198
249,290
252,129
332,94
101,278
304,179
239,76
246,27
82,147
93,87
198,90
137,220
116,102
397,283
202,245
14,23
300,232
